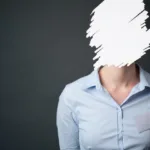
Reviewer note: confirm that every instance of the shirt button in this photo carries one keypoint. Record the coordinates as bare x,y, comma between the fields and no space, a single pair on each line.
119,110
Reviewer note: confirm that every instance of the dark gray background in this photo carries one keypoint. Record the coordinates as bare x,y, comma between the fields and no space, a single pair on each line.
43,47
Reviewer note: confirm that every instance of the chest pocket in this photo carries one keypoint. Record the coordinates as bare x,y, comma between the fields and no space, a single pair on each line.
142,121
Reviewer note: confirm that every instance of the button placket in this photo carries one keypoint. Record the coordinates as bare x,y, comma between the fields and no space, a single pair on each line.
120,127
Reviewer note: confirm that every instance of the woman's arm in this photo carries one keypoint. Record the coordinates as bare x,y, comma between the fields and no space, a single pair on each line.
66,126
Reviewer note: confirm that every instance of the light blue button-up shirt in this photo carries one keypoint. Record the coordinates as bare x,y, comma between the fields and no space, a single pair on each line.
88,118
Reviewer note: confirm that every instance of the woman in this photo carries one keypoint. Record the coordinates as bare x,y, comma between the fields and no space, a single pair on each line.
109,109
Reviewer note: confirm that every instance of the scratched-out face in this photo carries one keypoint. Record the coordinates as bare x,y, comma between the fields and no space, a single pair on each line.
119,33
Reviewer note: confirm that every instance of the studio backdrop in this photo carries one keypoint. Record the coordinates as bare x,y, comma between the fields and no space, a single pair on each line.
43,47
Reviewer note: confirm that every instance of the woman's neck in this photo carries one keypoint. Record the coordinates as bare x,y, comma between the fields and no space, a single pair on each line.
115,78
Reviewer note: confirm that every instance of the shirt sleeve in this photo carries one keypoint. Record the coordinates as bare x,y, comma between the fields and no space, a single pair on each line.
67,127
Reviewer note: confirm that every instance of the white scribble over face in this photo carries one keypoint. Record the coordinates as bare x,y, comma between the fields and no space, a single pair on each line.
119,33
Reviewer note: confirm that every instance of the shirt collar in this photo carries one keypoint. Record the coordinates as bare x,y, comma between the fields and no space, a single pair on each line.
93,79
144,78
